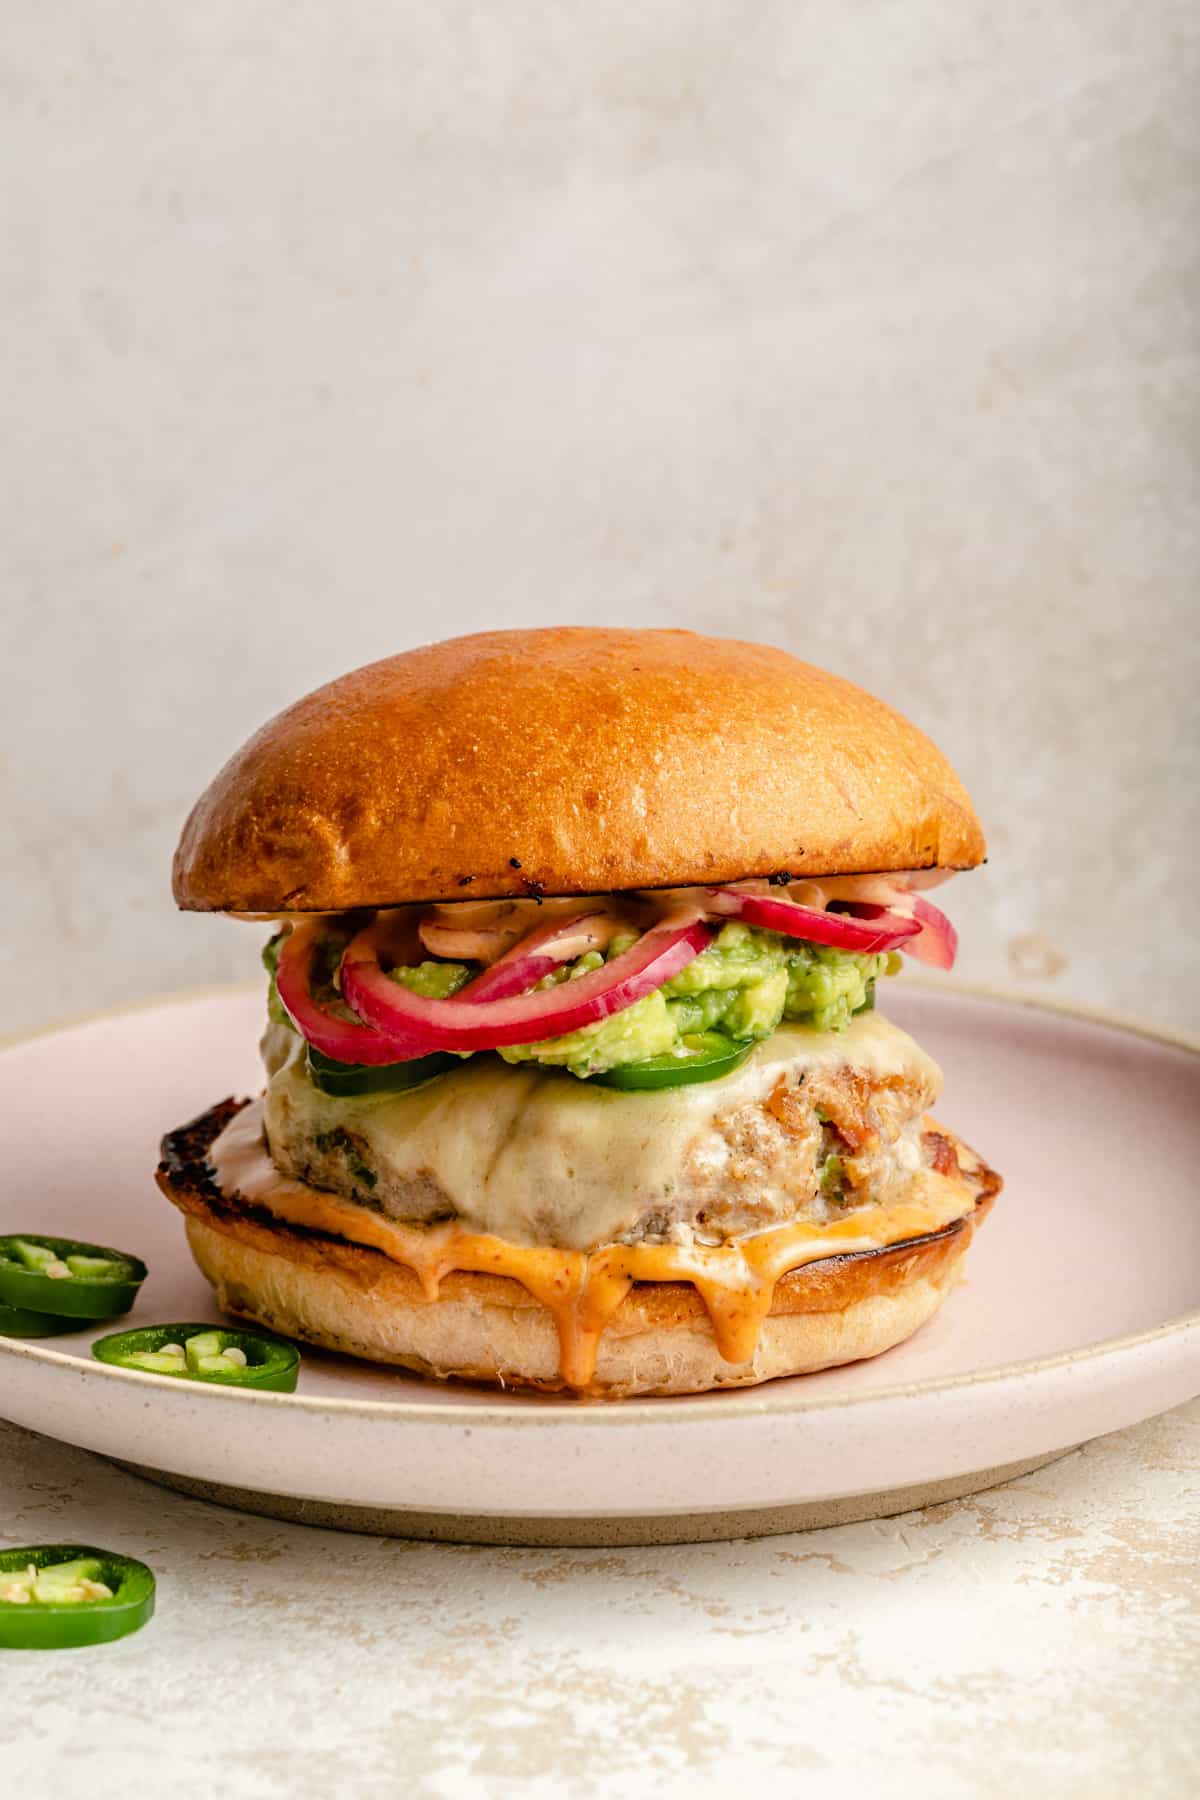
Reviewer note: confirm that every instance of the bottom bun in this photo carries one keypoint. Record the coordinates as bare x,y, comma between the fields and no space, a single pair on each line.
489,1328
510,1341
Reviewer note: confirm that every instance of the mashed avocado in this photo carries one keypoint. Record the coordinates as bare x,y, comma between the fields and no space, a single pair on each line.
434,980
743,985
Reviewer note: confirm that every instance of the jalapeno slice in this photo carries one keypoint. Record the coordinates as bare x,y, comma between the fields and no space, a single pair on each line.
707,1055
19,1322
206,1353
59,1596
341,1078
64,1277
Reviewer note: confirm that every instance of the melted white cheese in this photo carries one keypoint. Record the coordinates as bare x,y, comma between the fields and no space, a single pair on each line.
533,1155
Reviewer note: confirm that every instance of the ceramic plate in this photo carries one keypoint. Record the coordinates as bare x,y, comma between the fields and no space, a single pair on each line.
1080,1312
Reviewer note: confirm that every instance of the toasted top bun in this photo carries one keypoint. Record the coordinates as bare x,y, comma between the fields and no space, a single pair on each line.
568,761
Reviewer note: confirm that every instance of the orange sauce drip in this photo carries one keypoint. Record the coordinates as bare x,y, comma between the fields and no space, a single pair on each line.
582,1290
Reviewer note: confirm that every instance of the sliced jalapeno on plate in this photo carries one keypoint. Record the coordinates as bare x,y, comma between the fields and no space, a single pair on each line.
59,1596
64,1277
209,1353
706,1055
341,1078
19,1322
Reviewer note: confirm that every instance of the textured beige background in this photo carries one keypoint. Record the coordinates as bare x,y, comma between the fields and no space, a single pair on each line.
867,328
1040,1641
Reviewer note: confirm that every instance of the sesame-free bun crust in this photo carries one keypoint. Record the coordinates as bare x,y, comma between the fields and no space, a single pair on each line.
568,761
489,1328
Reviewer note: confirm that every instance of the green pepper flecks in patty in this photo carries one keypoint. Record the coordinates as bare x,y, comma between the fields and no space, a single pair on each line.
833,1177
342,1141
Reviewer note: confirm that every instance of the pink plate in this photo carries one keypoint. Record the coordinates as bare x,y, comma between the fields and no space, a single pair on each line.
1080,1312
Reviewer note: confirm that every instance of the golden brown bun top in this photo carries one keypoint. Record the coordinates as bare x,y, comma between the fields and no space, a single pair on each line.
568,761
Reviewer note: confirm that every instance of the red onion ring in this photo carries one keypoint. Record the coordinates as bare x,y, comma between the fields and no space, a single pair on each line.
339,1038
937,942
887,930
539,953
426,1025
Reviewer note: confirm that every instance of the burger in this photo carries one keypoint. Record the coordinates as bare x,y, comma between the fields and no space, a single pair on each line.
575,1077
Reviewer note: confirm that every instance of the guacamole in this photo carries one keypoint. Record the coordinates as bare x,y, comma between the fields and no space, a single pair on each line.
742,986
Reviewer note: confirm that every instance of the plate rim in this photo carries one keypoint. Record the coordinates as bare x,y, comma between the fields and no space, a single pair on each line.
766,1398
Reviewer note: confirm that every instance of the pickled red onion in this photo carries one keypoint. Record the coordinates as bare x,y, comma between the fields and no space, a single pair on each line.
425,1024
937,942
886,930
540,952
342,1039
873,913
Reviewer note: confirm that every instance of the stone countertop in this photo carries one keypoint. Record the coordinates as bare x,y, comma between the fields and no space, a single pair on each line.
1042,1638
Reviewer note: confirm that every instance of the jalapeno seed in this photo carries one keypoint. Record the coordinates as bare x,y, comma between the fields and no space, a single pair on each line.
59,1596
204,1353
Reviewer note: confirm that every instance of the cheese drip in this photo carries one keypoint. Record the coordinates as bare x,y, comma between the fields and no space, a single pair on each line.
582,1290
